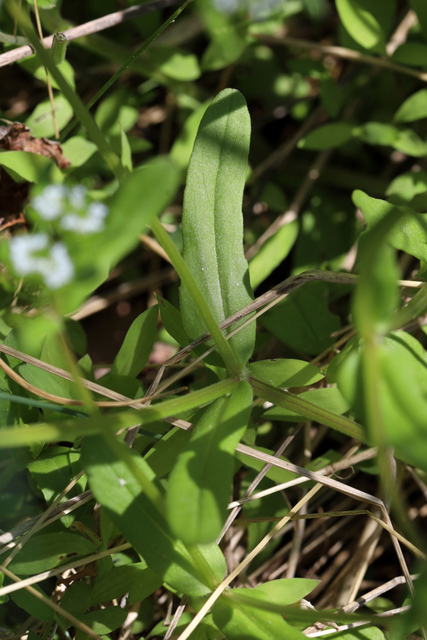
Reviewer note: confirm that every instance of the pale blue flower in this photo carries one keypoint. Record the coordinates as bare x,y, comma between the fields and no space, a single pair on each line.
36,255
49,203
71,207
91,222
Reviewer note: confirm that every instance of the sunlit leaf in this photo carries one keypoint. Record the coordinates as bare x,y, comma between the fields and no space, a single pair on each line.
200,482
212,223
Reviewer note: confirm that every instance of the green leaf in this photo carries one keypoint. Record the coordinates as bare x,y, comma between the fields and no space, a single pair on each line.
118,581
361,24
76,601
126,156
410,143
406,186
161,457
44,4
376,297
41,122
402,378
414,108
303,320
137,345
183,145
69,430
78,150
377,133
201,481
272,253
332,96
144,195
172,322
103,621
327,136
212,223
138,515
31,167
175,63
66,69
365,633
413,54
54,468
285,373
407,234
287,591
227,45
245,618
329,398
32,605
48,551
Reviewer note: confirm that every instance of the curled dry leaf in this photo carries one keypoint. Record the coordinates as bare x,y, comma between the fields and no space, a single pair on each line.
17,137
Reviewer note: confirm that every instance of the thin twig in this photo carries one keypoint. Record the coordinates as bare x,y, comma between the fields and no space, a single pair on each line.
93,26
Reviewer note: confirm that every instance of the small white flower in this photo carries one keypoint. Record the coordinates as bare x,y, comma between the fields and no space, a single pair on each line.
59,270
50,202
32,254
92,222
71,207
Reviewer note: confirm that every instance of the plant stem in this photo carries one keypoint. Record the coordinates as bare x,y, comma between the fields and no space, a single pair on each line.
186,276
307,409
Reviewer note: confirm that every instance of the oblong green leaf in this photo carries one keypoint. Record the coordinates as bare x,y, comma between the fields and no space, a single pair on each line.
172,322
41,121
31,167
411,53
138,515
407,234
329,398
281,372
377,133
200,482
105,620
175,63
327,136
360,24
137,345
272,253
49,550
414,107
212,219
239,619
78,150
409,142
303,320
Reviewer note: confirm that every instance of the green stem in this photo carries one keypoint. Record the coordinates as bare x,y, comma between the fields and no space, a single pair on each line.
71,429
307,409
186,276
80,111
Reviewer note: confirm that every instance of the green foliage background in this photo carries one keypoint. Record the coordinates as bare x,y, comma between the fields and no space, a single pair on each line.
272,153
